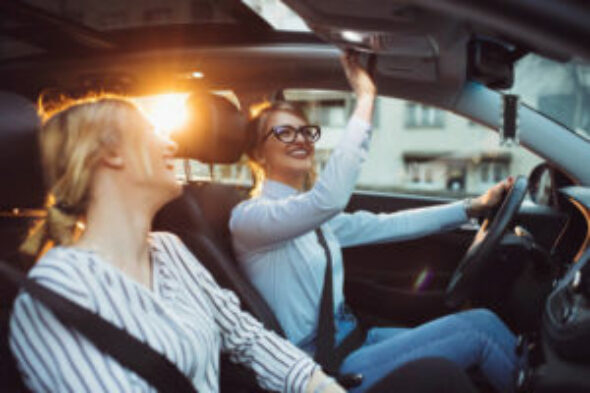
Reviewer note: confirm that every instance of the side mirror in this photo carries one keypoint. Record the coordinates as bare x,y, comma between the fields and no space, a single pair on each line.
541,184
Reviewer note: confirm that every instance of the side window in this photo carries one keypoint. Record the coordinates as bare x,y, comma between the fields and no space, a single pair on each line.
422,116
417,148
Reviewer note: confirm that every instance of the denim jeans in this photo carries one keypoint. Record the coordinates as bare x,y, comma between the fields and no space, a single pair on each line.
469,338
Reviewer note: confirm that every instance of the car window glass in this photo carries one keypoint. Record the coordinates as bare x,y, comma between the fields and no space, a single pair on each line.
415,149
564,96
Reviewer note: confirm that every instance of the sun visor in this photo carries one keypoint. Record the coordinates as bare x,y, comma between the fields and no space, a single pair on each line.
215,130
20,168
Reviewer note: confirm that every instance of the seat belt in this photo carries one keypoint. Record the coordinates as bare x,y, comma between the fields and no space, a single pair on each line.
328,355
325,341
131,353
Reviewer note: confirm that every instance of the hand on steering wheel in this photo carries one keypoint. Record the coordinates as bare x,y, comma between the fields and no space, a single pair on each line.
477,258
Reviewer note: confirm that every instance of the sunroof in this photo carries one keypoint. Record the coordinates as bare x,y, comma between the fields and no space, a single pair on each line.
70,27
277,14
11,48
115,14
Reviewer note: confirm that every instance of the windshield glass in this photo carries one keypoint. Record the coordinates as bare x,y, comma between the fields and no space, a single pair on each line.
560,91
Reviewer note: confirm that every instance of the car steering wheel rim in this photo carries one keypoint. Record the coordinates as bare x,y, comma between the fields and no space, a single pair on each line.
476,259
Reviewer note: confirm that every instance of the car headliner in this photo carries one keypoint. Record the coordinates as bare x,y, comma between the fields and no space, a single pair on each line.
253,60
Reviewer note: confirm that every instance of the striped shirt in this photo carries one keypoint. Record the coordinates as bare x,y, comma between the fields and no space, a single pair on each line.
186,316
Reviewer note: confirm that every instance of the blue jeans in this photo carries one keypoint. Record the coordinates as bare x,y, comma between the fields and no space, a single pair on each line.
469,338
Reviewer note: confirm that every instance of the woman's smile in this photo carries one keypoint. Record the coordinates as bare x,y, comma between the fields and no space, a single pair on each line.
299,151
169,162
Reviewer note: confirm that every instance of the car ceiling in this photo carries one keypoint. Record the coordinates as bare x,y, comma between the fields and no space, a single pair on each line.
41,50
423,47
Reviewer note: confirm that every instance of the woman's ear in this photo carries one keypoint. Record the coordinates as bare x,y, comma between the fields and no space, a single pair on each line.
113,158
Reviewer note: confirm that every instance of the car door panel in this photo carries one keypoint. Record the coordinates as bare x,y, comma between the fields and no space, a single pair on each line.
405,281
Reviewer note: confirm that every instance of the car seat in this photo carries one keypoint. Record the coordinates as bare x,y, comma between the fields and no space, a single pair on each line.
215,134
22,196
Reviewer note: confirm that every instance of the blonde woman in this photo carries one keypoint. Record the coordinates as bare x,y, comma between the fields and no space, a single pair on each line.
106,167
276,237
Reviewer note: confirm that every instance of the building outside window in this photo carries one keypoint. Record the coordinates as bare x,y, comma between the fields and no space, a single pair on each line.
327,112
423,116
492,172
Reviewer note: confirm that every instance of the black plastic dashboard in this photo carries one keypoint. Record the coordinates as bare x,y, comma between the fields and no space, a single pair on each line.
566,322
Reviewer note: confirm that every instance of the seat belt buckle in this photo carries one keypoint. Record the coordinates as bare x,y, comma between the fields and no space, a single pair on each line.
351,380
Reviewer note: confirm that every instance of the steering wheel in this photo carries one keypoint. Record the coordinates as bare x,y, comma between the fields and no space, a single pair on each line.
477,258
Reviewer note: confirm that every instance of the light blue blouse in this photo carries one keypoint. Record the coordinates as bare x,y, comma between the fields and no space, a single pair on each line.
274,240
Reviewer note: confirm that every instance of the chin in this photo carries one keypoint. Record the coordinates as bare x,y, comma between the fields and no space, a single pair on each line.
300,166
175,189
170,187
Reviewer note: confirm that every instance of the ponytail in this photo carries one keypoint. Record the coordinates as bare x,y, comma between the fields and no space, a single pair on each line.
71,142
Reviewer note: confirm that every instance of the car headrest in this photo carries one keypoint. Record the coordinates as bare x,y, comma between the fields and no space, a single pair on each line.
215,131
20,167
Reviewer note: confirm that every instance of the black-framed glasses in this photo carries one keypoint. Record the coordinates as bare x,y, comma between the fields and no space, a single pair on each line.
288,134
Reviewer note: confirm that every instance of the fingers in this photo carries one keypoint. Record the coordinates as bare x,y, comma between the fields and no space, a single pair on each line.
509,182
358,78
350,61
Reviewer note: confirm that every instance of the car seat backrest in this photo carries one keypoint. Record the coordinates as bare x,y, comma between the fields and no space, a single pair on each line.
216,133
200,218
20,171
207,236
19,154
22,192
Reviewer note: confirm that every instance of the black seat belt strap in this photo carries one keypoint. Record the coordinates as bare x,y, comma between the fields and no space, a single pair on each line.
131,353
328,355
325,341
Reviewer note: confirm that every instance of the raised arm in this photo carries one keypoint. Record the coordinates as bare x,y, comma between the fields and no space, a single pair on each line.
261,222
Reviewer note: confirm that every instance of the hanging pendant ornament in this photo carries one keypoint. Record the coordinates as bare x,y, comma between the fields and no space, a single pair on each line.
509,120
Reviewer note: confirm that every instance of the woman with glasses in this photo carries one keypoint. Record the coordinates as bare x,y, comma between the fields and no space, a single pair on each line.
291,232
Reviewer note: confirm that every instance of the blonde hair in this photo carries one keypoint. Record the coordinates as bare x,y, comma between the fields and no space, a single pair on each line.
257,127
71,141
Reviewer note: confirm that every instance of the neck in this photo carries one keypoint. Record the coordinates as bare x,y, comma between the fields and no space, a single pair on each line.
297,181
117,228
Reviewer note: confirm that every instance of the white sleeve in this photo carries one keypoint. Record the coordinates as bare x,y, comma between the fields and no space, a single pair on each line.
259,222
278,364
54,358
364,227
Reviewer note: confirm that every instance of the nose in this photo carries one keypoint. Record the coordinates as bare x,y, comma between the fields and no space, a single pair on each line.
299,138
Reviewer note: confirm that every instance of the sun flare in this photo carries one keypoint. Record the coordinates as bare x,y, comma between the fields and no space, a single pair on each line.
167,112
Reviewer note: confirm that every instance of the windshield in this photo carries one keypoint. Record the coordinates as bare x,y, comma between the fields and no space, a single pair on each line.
560,91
